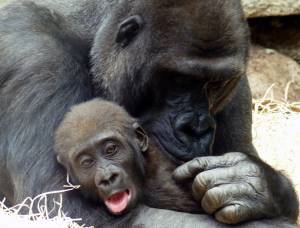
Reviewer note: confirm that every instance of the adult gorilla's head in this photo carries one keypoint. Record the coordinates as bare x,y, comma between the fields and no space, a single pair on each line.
174,65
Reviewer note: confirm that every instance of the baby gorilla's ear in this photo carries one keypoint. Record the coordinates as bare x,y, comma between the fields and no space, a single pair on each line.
59,159
70,179
142,137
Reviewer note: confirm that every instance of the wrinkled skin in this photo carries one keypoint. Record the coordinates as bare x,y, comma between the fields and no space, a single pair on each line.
230,187
178,66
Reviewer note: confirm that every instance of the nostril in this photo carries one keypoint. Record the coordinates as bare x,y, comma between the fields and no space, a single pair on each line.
109,179
195,130
195,127
182,122
200,131
104,183
128,29
189,129
113,177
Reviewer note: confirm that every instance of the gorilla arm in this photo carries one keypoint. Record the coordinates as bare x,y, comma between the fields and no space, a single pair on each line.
149,217
237,187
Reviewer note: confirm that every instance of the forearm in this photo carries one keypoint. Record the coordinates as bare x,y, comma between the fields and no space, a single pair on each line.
284,195
150,217
283,200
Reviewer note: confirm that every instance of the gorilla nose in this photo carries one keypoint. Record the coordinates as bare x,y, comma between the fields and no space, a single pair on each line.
193,126
108,179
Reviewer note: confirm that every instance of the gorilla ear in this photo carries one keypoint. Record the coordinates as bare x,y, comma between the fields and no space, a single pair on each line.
143,140
128,29
59,159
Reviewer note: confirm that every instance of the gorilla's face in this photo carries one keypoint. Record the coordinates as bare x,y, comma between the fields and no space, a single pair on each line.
172,64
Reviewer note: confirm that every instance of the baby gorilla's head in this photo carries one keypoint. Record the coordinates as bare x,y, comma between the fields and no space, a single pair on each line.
101,147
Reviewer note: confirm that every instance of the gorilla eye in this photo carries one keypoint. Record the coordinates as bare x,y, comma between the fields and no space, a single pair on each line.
111,148
86,161
128,29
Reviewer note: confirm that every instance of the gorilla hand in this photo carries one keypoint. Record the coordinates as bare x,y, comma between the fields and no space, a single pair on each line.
232,187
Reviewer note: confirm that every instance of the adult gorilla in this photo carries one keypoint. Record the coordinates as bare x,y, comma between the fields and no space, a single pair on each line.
176,65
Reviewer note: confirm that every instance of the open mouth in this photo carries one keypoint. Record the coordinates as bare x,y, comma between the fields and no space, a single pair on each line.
118,202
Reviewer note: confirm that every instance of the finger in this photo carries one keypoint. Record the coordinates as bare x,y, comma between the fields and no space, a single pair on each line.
234,214
197,165
216,177
225,195
212,178
203,182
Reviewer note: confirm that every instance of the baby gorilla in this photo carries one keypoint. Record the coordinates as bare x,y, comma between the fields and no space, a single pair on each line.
109,155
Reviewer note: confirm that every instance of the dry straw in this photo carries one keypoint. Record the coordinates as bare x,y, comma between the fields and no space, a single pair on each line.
38,212
268,104
276,133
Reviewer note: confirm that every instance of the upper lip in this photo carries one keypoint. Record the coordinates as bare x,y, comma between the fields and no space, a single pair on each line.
111,193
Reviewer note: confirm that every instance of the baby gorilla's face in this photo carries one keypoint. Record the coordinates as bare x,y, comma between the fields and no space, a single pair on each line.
109,169
101,147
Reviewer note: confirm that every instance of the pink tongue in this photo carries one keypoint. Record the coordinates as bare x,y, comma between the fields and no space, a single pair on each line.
117,202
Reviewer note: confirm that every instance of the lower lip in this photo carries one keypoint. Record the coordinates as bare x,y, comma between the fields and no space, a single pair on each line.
118,205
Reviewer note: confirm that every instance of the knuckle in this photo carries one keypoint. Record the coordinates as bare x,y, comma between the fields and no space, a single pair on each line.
245,189
250,169
258,185
235,157
251,190
253,170
213,195
204,179
232,214
200,162
211,201
200,180
196,160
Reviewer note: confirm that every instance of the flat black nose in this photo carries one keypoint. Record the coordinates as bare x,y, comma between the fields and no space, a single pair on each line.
108,178
193,126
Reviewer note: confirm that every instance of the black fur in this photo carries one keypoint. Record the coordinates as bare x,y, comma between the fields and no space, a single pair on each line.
45,69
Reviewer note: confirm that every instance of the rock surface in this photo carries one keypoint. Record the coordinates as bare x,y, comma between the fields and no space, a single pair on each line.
270,69
262,8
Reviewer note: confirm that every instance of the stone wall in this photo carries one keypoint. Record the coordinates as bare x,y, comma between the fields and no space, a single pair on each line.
259,8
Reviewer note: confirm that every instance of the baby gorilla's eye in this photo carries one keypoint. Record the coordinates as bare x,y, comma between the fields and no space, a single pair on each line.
86,161
111,148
